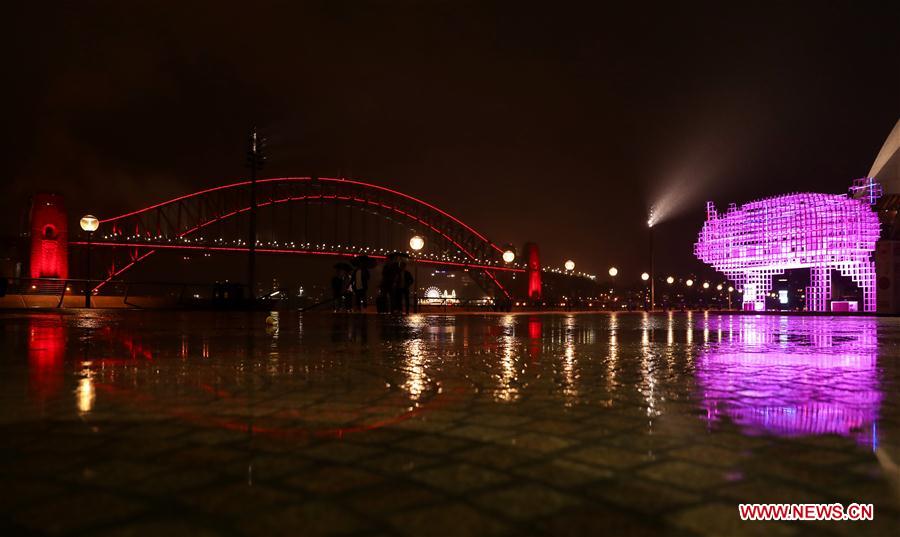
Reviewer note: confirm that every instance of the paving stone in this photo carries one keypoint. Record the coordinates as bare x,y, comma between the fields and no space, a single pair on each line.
459,478
447,519
722,519
522,502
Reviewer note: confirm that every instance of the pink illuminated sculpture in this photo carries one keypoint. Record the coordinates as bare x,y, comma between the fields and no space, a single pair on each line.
760,239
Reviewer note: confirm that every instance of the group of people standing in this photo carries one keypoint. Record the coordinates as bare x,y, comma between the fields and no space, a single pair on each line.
350,287
393,290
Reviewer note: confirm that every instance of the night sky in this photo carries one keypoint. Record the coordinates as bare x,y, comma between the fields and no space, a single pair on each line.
553,123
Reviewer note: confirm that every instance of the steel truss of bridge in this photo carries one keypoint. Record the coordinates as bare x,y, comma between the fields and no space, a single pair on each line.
304,216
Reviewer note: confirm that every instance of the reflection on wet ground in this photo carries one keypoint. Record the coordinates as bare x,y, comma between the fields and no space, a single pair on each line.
185,423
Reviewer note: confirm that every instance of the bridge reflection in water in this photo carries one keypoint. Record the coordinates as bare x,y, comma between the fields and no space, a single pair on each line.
792,376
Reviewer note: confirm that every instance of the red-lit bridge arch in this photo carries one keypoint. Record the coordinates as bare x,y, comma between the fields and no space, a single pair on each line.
301,216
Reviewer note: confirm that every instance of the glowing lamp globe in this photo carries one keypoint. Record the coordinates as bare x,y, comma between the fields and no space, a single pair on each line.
89,223
416,243
613,271
645,276
509,256
570,265
730,289
670,280
719,287
689,283
706,285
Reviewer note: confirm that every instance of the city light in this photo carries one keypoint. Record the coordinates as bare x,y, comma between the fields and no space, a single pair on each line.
706,285
89,223
719,287
416,243
670,280
613,271
570,265
730,289
509,256
689,282
645,276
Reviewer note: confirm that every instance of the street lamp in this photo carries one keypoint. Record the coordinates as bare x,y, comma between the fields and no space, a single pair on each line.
645,276
670,280
613,271
651,219
719,287
88,223
689,282
570,265
706,285
416,243
509,256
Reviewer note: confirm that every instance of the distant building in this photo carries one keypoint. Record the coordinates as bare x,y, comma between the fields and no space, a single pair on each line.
886,170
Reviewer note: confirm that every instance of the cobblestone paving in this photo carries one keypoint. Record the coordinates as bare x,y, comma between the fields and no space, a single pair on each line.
156,423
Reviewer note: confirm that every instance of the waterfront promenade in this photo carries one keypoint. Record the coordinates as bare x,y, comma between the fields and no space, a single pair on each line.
150,422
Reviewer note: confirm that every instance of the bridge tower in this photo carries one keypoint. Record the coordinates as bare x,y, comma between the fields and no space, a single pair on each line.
533,261
49,237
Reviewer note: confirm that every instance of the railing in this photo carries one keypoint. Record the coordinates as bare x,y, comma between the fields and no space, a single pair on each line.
72,292
69,291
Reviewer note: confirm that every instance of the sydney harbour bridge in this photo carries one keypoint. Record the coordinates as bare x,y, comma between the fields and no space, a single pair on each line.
303,216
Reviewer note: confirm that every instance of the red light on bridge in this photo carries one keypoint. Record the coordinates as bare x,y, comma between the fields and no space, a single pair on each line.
533,259
49,237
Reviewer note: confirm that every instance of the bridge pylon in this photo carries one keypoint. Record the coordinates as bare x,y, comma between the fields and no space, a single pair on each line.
533,267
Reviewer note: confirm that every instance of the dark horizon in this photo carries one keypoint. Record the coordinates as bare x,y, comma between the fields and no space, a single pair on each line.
560,127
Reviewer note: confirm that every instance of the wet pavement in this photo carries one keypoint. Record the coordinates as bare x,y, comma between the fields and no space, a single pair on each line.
191,423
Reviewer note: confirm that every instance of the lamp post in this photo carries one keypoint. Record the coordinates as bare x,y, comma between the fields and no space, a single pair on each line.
509,256
612,277
416,243
88,223
570,265
644,277
255,161
650,222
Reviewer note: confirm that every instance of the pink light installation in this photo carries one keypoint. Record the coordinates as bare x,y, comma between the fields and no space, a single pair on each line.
821,232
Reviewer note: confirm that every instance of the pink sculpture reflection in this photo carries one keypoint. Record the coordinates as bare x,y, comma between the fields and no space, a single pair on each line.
821,232
792,376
